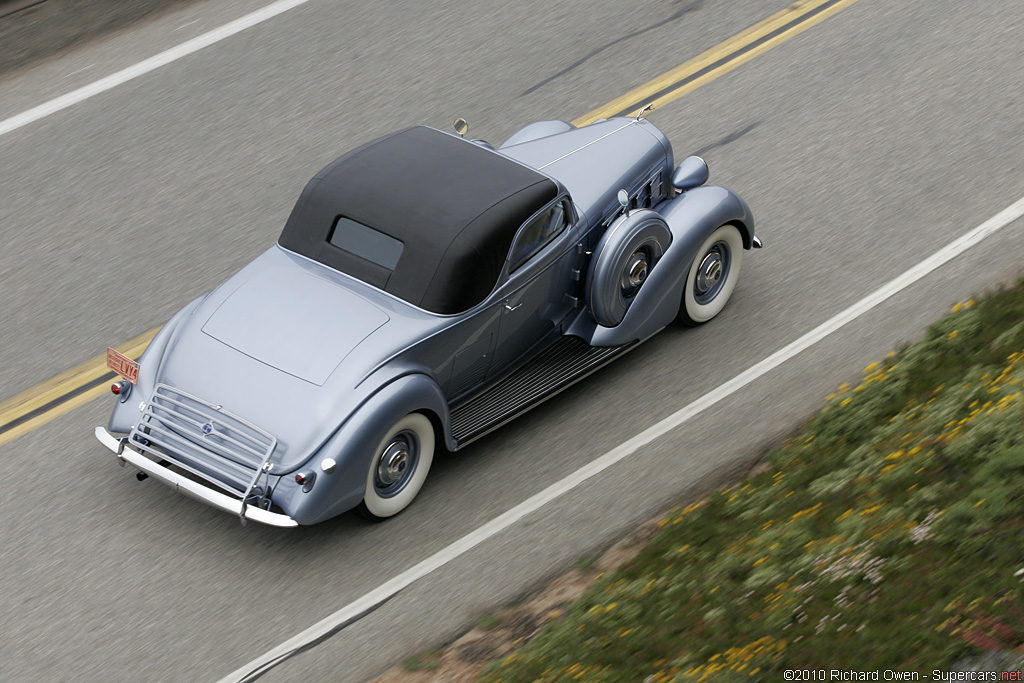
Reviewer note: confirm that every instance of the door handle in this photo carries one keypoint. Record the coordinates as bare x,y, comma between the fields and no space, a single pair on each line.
512,308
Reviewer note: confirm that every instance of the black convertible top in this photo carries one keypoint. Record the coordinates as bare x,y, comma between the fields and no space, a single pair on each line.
453,205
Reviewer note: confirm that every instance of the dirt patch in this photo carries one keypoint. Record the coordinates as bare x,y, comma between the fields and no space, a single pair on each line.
508,629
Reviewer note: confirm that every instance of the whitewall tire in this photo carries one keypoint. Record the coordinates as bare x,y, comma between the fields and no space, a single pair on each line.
398,468
712,277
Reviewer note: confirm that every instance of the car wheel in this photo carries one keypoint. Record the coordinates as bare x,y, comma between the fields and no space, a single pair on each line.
398,468
622,261
712,277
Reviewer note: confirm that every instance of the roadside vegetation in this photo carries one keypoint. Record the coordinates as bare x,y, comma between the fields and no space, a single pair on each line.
887,535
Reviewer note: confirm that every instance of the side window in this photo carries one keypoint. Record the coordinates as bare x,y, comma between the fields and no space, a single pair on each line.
537,234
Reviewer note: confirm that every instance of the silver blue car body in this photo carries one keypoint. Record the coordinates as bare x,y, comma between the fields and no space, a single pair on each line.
425,290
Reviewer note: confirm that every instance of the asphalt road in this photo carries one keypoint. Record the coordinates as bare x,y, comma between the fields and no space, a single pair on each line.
862,145
32,31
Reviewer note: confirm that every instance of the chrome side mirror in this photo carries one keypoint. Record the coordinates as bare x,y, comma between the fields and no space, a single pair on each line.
692,172
623,197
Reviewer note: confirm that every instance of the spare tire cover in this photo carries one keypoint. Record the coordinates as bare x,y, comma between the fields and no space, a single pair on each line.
627,252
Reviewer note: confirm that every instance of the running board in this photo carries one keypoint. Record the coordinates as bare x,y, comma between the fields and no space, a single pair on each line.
566,361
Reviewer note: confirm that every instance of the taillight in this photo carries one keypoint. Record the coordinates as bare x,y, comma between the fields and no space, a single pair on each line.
305,479
121,389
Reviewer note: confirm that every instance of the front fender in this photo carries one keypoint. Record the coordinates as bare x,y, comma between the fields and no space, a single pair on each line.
691,217
352,445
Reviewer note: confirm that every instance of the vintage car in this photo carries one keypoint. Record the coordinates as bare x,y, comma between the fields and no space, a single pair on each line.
425,289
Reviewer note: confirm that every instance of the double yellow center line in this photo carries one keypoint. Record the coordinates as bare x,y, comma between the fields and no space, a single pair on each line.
721,59
65,392
69,390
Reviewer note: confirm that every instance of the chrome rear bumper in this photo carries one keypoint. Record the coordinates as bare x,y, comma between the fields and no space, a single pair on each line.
190,488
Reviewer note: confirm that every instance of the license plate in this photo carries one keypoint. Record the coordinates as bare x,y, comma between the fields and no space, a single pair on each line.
123,365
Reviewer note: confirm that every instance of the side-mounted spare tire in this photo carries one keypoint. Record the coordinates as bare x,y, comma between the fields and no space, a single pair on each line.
623,259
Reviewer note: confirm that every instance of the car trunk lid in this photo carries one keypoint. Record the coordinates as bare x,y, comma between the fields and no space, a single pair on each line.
294,322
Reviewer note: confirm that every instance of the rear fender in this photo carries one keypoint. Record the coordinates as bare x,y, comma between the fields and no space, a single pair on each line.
126,413
352,446
691,217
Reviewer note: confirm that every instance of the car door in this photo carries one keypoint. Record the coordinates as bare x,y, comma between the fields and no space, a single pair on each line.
473,359
533,301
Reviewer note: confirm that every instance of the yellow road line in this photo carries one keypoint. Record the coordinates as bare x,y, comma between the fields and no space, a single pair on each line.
721,59
61,409
69,390
66,391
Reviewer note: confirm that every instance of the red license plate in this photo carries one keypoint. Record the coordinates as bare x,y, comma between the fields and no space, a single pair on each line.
123,365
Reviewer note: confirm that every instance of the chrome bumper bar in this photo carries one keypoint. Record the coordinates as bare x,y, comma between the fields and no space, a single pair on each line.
190,488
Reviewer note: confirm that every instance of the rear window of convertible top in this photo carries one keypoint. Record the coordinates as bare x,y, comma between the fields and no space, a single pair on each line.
365,242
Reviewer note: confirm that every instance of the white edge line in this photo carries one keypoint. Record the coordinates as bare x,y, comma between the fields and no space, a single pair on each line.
624,450
144,67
